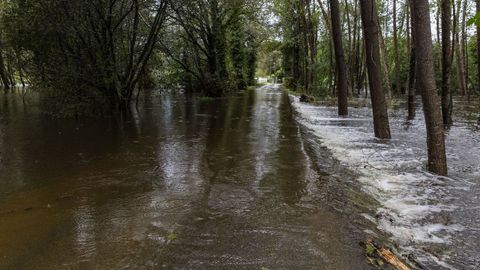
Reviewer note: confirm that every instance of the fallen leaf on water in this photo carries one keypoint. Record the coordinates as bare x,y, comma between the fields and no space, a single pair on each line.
171,236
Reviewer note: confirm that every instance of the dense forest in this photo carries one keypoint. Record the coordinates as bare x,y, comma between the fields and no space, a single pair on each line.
224,76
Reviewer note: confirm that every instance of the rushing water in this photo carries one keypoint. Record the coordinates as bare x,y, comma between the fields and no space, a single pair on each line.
435,219
234,183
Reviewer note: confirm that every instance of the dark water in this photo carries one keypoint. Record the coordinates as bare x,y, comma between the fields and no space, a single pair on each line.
225,184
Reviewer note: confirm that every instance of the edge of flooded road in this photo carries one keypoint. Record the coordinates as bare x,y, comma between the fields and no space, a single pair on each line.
349,200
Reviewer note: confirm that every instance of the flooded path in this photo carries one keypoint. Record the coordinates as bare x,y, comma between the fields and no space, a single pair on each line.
215,184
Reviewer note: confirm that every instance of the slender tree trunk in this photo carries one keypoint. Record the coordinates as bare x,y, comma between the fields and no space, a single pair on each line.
464,48
383,60
446,61
379,105
438,20
312,43
342,85
354,71
395,50
437,161
349,52
305,51
408,32
478,50
332,74
412,71
362,75
459,52
3,70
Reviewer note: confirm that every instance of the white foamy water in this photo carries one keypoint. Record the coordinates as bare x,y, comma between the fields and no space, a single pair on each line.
436,219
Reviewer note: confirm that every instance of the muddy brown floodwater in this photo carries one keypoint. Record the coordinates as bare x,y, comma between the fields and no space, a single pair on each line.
232,183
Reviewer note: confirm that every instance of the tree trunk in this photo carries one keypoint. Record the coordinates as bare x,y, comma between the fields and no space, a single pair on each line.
438,19
355,70
464,48
446,61
303,27
342,81
412,71
478,50
3,70
395,50
383,60
332,75
459,52
349,52
437,161
372,48
408,22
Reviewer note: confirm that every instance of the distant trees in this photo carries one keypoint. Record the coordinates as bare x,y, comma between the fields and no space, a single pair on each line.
299,22
214,42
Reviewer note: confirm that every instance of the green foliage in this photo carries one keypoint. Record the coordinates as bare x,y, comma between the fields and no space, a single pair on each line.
86,52
474,20
370,249
213,44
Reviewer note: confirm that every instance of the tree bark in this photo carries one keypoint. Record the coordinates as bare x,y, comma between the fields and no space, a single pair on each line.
438,20
464,48
437,161
395,50
355,69
3,74
459,51
478,50
332,74
372,48
383,60
3,70
412,70
342,81
446,61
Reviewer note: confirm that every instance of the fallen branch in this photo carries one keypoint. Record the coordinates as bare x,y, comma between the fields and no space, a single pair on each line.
377,255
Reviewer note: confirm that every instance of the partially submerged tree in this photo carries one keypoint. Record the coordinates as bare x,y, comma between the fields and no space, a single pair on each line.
341,69
446,60
372,46
412,70
437,161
